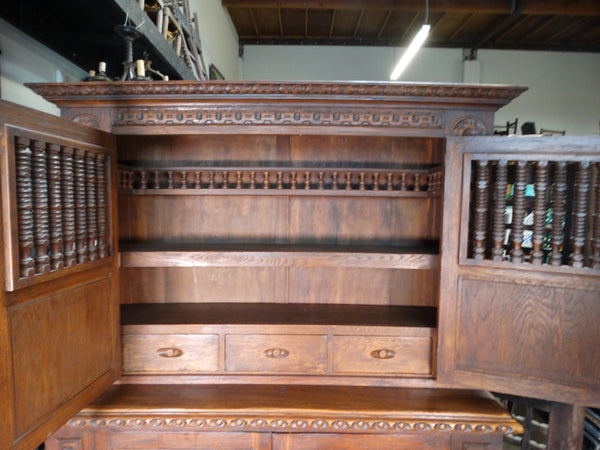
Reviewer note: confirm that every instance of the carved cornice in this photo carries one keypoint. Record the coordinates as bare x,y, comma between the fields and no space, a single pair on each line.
254,89
206,422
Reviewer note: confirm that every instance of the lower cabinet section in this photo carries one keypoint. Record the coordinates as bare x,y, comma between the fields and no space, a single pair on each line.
286,417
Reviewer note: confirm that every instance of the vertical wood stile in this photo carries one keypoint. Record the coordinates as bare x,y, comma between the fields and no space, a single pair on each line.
539,211
55,204
519,212
558,212
80,208
595,257
481,209
91,212
499,227
24,206
41,232
101,184
580,212
68,206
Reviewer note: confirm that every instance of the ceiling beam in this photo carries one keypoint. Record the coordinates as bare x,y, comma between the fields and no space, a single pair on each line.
384,24
358,21
503,23
462,26
331,22
543,7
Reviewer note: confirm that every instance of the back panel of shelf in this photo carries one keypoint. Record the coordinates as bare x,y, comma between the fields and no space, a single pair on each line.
287,217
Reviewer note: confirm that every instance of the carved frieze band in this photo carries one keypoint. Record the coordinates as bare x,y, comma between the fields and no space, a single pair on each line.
400,118
287,423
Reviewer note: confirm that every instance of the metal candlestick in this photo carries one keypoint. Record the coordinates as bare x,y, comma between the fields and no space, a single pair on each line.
129,34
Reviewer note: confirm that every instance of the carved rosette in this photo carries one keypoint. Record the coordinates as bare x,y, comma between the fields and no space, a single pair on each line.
202,422
469,126
400,118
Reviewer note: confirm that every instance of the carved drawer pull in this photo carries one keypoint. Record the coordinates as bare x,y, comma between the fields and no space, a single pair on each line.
169,352
276,353
383,353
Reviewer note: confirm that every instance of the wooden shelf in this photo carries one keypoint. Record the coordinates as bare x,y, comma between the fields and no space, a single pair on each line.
277,314
190,255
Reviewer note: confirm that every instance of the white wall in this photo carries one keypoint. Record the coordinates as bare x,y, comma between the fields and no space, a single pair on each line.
25,60
218,37
564,88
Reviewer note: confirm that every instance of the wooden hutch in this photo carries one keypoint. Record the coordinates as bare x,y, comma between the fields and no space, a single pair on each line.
291,265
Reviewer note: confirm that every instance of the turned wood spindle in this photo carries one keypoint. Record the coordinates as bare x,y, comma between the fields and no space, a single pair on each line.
348,181
266,181
306,180
280,180
55,204
293,180
417,182
376,181
519,205
361,183
101,189
211,179
481,209
169,179
143,180
499,224
238,179
321,182
41,232
80,207
389,182
225,180
197,179
595,256
91,217
539,212
184,175
68,206
24,206
558,212
252,179
580,213
334,181
403,181
156,179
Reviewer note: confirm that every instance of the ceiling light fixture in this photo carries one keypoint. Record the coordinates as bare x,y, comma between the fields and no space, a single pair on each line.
414,46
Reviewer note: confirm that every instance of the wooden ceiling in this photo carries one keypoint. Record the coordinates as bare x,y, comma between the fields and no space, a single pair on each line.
565,25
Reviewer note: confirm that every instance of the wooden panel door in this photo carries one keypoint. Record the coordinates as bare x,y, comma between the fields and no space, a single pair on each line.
520,297
59,323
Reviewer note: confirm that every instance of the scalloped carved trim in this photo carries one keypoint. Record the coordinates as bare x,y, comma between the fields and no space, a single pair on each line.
286,423
253,88
400,118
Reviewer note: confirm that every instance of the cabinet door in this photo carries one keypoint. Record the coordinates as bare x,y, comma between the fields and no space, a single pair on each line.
520,278
59,319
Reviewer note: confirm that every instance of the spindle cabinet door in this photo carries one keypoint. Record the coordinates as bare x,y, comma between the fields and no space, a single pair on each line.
520,272
59,320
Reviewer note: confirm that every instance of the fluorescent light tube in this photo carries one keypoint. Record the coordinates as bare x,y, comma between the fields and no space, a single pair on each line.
410,52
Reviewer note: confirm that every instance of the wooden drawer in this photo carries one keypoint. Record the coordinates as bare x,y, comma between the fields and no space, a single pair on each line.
382,354
161,353
276,353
